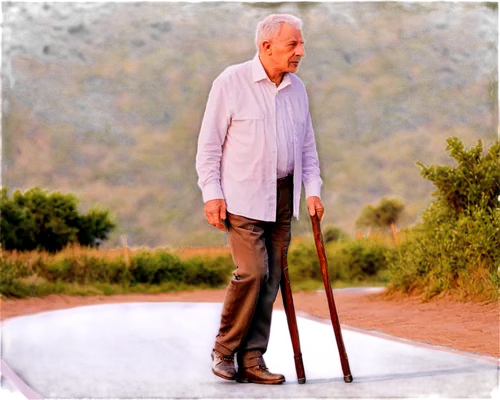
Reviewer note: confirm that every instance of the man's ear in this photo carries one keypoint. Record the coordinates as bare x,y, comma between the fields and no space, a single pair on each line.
266,47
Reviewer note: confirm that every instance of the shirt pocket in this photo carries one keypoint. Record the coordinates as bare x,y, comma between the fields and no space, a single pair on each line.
247,126
246,141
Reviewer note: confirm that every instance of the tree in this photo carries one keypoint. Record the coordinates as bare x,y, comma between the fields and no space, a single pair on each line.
382,216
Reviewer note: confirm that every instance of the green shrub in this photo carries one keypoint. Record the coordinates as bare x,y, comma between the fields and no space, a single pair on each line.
382,216
348,261
113,271
96,226
12,268
456,247
209,272
333,234
38,219
303,263
157,267
33,274
475,180
359,260
84,269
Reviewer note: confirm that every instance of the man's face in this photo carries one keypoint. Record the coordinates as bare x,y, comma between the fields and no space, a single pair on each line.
287,48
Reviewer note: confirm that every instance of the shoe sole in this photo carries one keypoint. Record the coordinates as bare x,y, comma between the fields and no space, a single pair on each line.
227,378
247,380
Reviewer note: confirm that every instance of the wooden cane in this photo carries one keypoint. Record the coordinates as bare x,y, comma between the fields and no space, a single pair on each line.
320,247
286,293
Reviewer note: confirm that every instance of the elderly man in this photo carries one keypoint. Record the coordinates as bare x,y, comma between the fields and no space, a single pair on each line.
256,147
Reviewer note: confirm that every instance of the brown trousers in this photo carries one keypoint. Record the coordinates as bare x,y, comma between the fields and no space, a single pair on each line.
256,248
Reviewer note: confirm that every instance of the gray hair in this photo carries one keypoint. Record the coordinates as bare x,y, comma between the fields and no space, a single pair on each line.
270,27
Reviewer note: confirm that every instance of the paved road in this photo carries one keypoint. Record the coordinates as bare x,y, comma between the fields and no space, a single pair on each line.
162,350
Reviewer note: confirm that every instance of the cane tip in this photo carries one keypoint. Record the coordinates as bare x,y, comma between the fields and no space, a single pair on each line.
302,380
348,379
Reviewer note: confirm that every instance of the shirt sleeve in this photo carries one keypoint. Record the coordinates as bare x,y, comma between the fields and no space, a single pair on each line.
310,163
212,135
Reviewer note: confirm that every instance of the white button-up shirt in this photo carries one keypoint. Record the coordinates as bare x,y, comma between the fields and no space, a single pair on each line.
237,157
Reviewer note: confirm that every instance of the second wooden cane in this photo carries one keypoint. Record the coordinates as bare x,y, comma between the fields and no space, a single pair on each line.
286,292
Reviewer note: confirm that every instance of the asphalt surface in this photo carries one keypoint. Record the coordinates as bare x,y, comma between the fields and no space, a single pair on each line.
162,350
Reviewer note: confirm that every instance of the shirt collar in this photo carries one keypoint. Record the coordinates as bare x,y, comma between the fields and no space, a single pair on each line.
259,73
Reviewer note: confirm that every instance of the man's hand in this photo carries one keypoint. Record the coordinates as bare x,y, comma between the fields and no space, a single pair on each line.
315,206
215,212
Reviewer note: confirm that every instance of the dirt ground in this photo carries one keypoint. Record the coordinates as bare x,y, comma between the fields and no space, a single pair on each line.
467,326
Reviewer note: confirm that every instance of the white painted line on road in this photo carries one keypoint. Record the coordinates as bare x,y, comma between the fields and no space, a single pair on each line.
18,383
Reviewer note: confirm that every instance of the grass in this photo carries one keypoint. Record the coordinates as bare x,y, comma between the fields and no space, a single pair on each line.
87,272
76,251
90,272
21,289
29,287
352,263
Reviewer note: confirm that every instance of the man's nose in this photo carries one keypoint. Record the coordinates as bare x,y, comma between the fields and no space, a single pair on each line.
299,51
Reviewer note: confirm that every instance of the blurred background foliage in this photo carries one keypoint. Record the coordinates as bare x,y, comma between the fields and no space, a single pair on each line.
39,220
105,100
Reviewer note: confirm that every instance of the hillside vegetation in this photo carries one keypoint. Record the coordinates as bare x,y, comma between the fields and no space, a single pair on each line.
105,100
454,250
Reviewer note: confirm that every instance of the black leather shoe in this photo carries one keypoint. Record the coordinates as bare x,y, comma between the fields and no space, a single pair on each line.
223,366
258,374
